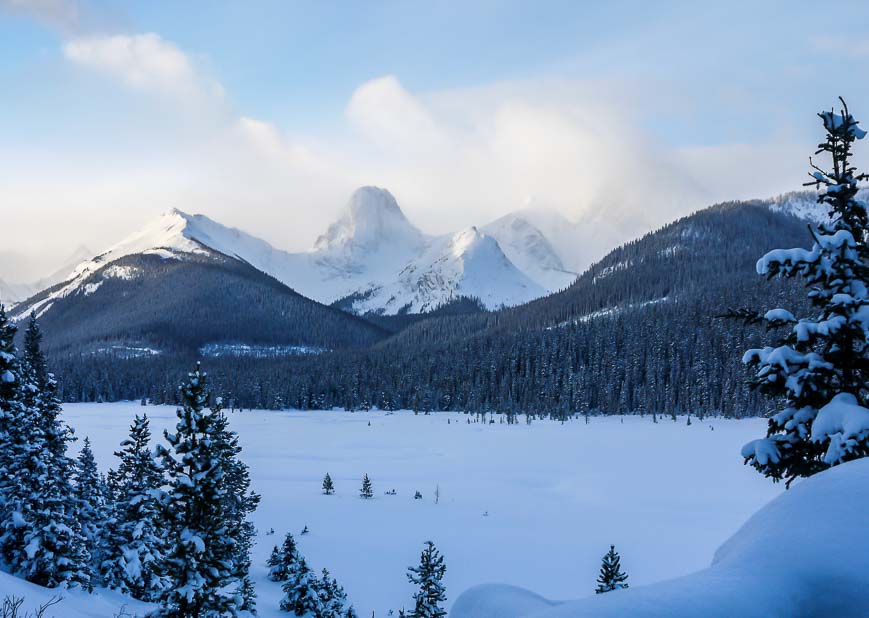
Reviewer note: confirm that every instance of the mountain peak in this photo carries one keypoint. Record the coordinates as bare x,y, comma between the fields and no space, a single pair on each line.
530,250
471,240
371,219
174,212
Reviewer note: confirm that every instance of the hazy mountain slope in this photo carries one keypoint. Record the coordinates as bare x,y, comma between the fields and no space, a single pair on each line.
164,303
11,293
637,331
372,259
526,246
66,271
469,264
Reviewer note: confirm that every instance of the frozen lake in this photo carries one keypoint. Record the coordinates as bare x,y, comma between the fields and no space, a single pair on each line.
533,505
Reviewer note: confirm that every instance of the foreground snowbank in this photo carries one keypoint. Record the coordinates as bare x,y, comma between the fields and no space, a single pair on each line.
73,604
806,553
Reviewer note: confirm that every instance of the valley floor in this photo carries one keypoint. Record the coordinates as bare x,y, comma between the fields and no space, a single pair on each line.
532,505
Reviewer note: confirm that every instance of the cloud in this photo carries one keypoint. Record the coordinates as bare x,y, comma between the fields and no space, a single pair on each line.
388,115
145,62
61,14
852,46
481,152
453,158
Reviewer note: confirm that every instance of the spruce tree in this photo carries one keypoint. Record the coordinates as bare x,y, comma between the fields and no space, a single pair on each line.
12,417
302,592
284,562
239,502
611,577
274,563
9,378
328,486
136,544
202,575
40,534
429,577
367,490
92,505
333,599
820,367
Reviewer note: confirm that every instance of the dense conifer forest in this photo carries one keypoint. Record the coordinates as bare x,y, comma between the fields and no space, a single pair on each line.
639,332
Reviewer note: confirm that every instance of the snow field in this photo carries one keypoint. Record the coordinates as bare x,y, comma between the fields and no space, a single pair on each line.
528,505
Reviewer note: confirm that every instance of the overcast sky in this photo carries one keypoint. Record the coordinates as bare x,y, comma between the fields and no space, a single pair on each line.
266,115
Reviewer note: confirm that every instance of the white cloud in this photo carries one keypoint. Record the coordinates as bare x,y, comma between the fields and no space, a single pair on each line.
467,155
145,62
61,14
453,158
388,115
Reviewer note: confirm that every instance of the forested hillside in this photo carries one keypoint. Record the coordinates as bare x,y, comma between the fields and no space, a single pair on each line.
638,332
172,305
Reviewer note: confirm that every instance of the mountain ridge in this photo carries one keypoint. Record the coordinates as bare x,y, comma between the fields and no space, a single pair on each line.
372,252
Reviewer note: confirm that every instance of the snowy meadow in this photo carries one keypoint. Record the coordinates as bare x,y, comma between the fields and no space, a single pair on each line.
531,505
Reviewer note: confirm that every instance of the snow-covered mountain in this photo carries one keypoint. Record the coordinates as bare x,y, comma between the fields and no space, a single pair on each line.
805,205
11,293
365,248
801,204
467,264
371,220
371,260
527,247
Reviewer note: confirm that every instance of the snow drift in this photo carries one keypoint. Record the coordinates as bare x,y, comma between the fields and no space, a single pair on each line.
74,603
806,553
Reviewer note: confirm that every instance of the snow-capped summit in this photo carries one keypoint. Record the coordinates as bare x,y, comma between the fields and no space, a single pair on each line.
372,258
530,251
173,231
371,219
469,263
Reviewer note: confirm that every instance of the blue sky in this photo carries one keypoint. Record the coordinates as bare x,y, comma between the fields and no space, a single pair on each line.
265,115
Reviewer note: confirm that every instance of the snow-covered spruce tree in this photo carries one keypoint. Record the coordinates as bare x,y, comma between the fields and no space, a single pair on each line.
820,368
328,486
429,577
367,489
11,412
201,574
136,545
332,597
274,565
92,504
611,576
40,535
284,562
239,502
302,592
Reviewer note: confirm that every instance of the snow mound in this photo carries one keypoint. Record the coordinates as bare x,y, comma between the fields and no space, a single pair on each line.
806,553
499,600
73,603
